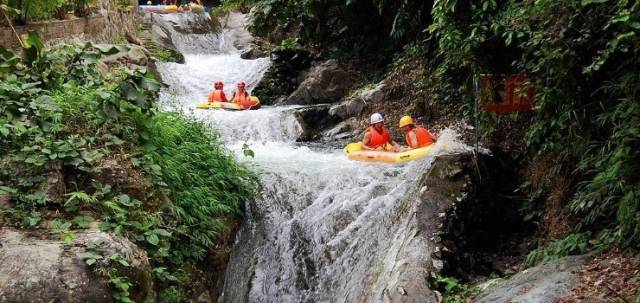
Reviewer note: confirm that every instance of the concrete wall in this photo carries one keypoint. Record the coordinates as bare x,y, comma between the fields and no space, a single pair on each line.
98,28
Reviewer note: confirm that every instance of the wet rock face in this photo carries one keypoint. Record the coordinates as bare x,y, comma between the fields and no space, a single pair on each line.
314,119
43,270
354,105
540,284
485,232
347,109
328,82
192,23
284,75
418,259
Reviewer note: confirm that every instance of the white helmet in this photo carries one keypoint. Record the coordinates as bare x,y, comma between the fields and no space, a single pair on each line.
376,118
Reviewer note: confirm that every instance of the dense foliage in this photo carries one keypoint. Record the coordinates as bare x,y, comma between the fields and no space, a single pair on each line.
79,145
24,11
583,59
344,28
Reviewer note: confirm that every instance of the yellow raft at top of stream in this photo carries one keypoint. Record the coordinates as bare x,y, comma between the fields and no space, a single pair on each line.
356,152
219,105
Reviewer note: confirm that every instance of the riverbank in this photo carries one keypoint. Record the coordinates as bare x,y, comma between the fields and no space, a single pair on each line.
128,199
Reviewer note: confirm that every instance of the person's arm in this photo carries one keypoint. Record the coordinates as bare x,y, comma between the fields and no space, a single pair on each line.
224,97
210,97
395,146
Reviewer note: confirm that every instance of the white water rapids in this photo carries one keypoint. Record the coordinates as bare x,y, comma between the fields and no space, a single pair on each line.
326,229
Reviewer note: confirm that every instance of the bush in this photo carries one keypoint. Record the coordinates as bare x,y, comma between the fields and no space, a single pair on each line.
582,57
573,244
60,116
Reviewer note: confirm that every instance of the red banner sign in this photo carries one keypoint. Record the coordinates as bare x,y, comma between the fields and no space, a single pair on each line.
506,93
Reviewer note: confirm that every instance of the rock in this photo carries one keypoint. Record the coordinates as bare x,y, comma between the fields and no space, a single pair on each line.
192,23
342,130
348,109
53,185
373,95
314,119
135,56
133,40
43,270
355,105
539,284
283,76
253,52
162,36
326,83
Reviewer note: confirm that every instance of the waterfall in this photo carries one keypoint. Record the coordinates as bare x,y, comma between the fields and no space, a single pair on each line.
325,229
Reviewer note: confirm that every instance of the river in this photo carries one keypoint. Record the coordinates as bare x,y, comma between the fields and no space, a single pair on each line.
326,229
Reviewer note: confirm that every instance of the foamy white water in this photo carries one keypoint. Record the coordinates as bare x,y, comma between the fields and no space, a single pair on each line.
326,229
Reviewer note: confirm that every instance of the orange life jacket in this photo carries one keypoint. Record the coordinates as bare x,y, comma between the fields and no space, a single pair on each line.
217,96
423,136
377,139
241,98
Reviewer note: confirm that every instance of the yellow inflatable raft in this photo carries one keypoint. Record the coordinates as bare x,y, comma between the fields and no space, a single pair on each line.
219,105
229,105
196,8
356,152
168,9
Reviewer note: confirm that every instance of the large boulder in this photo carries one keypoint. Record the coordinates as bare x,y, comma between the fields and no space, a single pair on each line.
284,75
135,56
328,82
541,284
347,109
355,105
37,269
313,120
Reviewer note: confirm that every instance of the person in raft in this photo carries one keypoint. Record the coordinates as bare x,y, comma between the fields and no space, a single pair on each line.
416,136
376,137
241,96
217,95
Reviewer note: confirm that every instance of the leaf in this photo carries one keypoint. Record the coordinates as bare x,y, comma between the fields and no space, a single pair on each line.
162,232
587,2
149,84
83,221
68,237
90,261
248,153
153,239
110,49
33,47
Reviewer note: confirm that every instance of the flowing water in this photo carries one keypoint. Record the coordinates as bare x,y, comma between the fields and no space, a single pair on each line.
326,229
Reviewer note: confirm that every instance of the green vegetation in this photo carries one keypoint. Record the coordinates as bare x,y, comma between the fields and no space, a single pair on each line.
79,145
583,59
24,11
454,291
573,244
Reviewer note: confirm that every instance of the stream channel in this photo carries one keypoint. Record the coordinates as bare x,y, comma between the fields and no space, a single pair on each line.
325,229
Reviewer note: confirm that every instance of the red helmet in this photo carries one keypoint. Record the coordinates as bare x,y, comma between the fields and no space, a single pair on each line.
218,85
241,83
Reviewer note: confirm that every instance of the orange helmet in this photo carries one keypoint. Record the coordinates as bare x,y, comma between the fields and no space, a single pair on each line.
218,85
